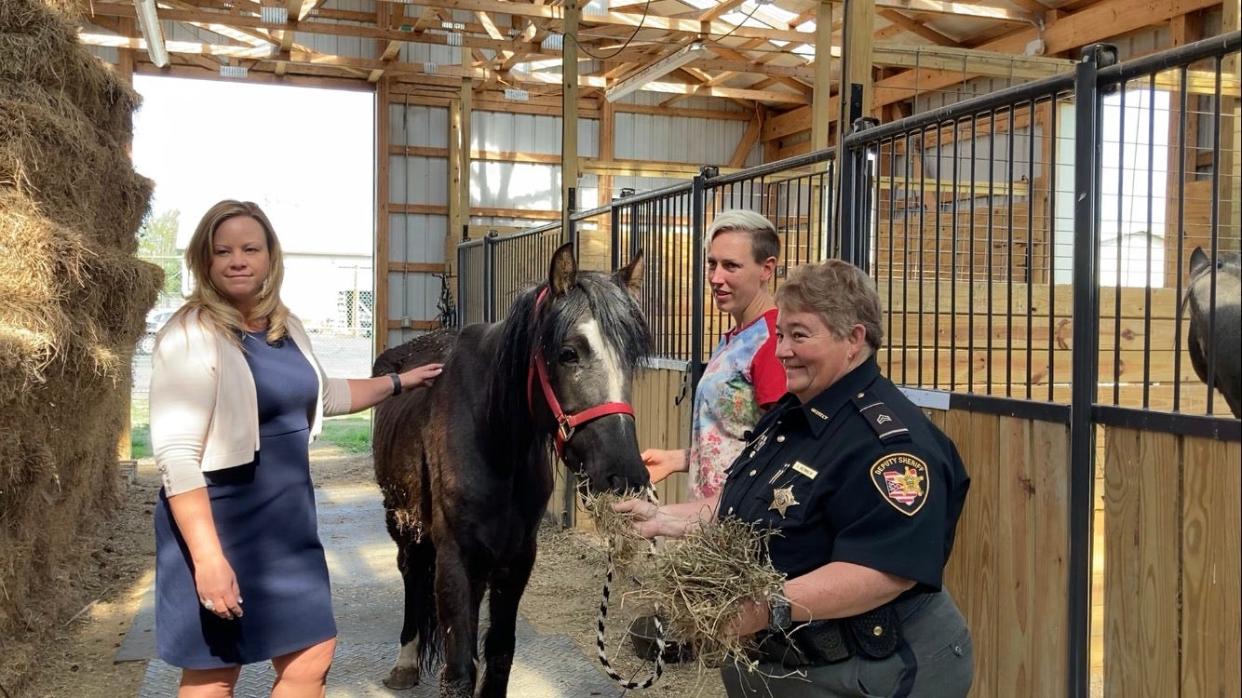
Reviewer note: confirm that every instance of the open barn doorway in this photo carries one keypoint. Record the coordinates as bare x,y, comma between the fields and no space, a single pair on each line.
307,157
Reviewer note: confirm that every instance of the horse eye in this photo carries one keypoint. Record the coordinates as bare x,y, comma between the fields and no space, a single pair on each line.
568,356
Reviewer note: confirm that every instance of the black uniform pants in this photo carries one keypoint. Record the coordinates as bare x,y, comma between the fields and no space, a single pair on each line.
935,659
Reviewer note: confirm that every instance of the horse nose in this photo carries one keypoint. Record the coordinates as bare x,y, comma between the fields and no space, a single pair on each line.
621,483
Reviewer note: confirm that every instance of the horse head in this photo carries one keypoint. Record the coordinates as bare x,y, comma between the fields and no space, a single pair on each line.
590,336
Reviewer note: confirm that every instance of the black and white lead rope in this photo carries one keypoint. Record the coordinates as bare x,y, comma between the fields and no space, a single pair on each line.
600,643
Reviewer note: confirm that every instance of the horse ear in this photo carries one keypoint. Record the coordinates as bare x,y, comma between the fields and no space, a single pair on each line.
563,272
1198,261
630,276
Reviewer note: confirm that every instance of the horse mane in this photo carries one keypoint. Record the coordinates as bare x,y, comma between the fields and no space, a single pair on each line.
594,294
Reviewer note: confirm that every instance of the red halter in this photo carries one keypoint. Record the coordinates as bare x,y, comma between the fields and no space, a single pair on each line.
565,423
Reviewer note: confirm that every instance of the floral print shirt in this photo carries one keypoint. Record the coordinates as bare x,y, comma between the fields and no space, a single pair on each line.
742,376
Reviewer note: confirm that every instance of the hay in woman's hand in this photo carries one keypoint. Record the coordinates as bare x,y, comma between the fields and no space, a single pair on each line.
616,527
699,583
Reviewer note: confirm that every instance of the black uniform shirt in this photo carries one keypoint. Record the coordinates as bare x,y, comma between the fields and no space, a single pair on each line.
858,474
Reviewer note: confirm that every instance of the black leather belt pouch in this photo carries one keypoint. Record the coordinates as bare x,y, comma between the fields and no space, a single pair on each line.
876,633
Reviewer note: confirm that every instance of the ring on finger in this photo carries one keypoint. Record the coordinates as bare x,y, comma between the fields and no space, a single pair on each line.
207,604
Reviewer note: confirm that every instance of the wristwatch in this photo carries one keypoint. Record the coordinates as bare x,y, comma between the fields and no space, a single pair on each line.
780,618
396,384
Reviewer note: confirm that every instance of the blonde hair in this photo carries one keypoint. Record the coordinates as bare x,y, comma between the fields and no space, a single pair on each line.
840,293
764,242
213,307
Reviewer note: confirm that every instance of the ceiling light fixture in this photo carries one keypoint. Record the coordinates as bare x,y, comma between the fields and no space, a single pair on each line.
683,57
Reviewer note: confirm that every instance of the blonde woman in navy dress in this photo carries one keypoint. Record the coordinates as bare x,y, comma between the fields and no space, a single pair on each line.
236,398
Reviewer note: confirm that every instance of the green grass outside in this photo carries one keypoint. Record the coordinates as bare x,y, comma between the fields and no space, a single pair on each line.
350,433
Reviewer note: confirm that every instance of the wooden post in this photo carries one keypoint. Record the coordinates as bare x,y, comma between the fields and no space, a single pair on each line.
607,150
1040,197
463,170
607,147
569,112
125,71
820,117
455,218
383,198
856,63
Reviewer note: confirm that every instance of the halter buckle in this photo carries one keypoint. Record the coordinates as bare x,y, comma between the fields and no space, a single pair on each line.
564,429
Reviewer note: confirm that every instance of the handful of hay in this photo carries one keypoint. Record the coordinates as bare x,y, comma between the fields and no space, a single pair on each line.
617,528
697,583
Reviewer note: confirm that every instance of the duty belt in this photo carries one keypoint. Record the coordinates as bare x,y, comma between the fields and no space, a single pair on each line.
874,634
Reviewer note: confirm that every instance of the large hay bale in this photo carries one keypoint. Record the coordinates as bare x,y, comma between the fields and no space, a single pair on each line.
73,300
40,46
72,309
81,180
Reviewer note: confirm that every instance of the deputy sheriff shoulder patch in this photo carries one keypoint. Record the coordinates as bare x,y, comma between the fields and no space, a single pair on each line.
903,480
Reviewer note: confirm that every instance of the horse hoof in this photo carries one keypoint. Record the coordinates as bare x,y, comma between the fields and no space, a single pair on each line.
402,678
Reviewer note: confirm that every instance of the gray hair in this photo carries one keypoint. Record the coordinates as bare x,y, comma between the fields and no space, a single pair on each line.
840,293
764,242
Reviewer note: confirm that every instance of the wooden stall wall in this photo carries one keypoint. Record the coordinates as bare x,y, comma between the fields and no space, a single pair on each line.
1172,626
1008,571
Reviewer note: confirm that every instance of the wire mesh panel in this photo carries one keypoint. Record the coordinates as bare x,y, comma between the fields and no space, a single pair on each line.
517,262
1166,255
660,224
969,234
470,282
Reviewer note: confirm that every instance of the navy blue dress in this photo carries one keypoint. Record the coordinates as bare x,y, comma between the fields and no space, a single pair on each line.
265,518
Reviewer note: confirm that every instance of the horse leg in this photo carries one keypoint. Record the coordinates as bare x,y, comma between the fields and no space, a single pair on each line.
459,590
416,560
507,585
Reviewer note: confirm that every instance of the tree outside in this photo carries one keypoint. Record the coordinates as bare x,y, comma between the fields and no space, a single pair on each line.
157,243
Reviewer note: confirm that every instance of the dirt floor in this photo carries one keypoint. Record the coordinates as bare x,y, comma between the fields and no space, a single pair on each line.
562,597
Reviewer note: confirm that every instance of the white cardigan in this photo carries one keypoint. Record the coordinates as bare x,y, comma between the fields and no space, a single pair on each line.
204,408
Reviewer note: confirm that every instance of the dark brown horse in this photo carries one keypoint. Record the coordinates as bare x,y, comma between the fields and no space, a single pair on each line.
465,469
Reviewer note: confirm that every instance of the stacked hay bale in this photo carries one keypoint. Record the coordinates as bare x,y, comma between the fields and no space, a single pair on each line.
73,299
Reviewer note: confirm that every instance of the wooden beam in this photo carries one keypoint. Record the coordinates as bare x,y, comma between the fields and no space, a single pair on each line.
995,13
1094,23
569,116
748,140
457,216
408,324
823,74
673,88
918,28
721,7
418,267
634,19
462,192
109,9
855,87
383,208
607,139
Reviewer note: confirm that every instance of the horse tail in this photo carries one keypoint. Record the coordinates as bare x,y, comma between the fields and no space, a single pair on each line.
423,605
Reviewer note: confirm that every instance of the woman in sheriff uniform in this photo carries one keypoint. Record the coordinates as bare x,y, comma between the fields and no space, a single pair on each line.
863,494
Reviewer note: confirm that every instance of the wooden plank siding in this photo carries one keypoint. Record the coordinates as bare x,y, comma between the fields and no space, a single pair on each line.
1009,566
1171,594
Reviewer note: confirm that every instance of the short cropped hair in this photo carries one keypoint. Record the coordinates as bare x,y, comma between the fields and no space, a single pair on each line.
764,242
840,293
